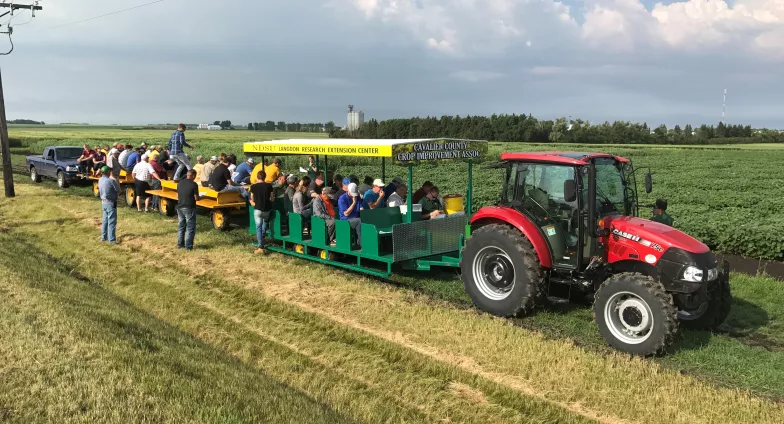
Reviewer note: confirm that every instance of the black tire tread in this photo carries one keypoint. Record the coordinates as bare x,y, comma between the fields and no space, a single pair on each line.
657,290
716,313
533,269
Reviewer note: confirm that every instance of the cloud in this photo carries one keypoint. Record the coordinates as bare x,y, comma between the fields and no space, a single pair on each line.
476,76
472,27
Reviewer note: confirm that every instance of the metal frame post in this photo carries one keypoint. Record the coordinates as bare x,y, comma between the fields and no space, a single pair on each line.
409,197
384,170
469,208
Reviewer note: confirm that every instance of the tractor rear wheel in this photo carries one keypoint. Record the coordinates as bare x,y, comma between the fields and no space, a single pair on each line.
500,271
635,314
711,314
96,190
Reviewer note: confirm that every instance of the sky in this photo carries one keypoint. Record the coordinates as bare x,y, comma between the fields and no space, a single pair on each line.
306,60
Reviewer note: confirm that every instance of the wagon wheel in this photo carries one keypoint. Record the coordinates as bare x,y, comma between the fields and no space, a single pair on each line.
96,190
167,207
130,195
220,219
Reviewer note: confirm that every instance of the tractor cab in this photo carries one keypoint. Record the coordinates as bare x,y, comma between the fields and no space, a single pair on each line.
558,191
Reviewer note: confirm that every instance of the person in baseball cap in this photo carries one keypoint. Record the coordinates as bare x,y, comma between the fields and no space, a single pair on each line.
374,198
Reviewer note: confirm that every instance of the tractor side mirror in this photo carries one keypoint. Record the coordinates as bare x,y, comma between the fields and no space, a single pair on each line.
570,190
648,182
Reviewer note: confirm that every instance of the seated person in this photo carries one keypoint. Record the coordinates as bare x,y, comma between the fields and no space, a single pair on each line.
349,205
322,208
422,192
431,205
220,180
374,198
659,214
242,175
398,197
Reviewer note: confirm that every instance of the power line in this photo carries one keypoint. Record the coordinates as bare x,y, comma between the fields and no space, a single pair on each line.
107,14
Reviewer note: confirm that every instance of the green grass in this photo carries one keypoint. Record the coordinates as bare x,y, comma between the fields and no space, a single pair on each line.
367,349
74,351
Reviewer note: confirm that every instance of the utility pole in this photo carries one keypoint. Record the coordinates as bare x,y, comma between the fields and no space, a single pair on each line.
8,177
724,107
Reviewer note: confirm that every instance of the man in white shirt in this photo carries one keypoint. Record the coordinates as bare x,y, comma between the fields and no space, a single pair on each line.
398,197
143,173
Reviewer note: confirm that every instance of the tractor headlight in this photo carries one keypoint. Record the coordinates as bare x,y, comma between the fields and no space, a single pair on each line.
713,274
692,274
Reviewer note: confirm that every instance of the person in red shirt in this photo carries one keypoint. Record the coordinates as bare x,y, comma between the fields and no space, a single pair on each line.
85,161
422,192
156,184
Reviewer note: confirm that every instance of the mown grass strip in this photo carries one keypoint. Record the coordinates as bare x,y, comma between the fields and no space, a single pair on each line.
73,351
493,349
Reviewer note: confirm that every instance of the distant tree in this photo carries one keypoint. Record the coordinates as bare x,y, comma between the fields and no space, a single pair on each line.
216,123
281,126
226,125
250,126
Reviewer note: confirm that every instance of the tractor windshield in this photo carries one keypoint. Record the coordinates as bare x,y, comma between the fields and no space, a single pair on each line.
612,195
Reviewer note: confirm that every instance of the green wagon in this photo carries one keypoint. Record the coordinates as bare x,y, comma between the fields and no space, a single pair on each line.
391,236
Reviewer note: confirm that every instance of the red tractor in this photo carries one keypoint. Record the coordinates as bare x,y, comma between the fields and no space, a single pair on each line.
565,228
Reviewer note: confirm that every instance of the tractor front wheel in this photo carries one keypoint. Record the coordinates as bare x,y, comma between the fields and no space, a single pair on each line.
500,271
713,312
635,314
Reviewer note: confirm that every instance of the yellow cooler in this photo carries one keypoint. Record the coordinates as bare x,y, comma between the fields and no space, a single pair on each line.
453,203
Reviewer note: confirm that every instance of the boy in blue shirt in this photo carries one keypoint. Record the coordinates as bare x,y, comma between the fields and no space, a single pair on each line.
349,205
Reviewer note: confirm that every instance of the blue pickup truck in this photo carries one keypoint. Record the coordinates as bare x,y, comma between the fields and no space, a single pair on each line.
58,162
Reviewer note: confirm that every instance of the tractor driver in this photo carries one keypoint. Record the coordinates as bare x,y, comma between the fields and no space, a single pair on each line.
659,214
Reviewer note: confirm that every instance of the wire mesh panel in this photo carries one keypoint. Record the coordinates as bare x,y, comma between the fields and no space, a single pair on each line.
427,238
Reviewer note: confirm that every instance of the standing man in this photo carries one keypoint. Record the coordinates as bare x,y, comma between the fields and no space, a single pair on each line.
143,173
659,213
312,168
261,198
349,205
176,144
108,189
187,196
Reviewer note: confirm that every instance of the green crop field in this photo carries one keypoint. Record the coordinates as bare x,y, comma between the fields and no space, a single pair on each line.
142,332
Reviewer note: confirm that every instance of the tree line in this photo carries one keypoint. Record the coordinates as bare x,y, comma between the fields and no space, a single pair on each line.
527,129
26,122
291,127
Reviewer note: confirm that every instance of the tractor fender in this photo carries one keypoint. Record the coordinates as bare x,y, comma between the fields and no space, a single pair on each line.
509,216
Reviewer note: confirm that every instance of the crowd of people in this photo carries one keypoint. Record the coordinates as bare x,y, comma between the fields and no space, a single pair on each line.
260,183
340,199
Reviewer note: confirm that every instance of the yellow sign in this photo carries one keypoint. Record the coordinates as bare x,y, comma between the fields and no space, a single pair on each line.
313,149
